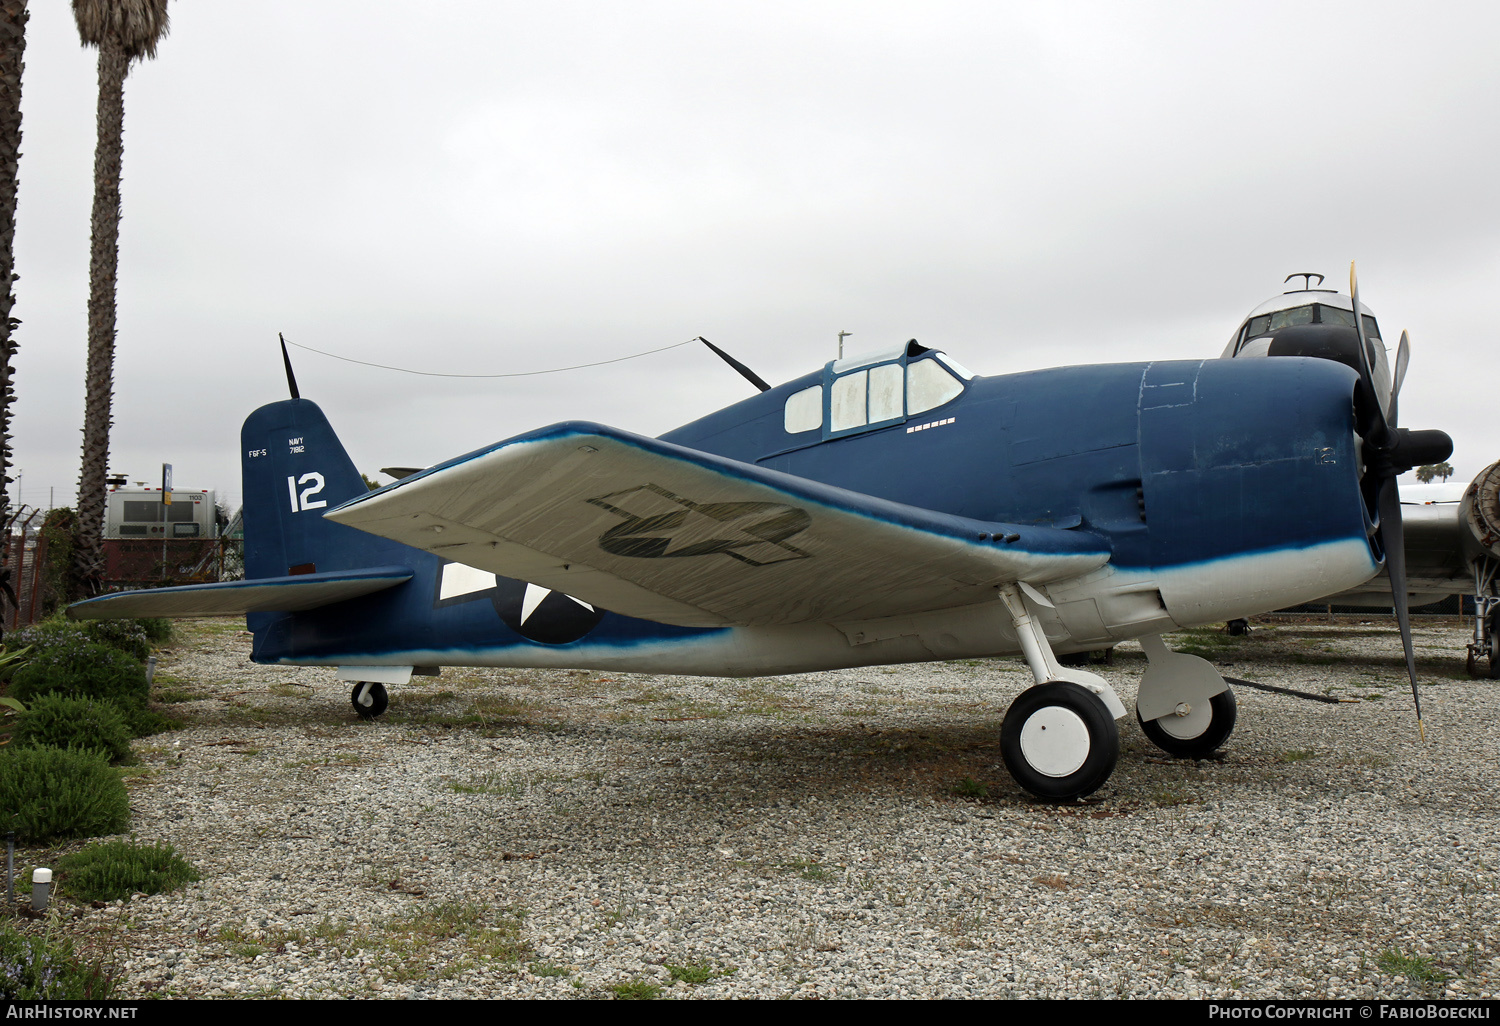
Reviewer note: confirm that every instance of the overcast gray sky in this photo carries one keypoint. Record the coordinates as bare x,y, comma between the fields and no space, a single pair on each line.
483,187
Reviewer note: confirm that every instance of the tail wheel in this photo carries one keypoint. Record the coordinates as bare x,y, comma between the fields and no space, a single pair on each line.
1059,741
1198,734
369,699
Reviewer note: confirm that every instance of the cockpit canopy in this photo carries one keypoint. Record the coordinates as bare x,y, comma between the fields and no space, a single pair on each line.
867,392
1293,309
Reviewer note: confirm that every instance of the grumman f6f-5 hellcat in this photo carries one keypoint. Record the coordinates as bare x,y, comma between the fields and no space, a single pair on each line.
887,508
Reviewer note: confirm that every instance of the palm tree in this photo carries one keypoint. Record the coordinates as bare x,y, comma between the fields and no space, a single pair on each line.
123,31
13,15
1425,474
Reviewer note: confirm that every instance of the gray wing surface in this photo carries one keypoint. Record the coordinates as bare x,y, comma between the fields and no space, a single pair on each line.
662,532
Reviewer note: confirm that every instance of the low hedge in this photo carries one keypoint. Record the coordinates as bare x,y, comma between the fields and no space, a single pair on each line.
111,870
48,793
77,666
129,636
68,721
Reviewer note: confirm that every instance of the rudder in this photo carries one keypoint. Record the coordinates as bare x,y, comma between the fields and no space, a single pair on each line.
295,469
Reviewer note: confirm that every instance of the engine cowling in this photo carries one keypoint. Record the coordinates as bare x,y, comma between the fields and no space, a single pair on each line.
1479,512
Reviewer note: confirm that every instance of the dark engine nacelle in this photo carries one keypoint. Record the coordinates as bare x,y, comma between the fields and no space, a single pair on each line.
1479,512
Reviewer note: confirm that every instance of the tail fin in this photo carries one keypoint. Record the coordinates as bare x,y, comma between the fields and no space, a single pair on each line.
295,470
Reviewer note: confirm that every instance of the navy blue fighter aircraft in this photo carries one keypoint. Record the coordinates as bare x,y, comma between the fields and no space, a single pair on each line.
884,509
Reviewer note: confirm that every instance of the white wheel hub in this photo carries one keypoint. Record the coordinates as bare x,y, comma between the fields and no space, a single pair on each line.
1055,741
1185,728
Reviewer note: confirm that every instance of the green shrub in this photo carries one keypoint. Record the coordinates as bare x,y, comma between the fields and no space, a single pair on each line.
44,633
54,792
65,721
158,629
111,870
78,666
41,969
126,635
143,722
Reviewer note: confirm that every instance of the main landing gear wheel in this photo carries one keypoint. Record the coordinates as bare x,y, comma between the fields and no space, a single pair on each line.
1198,734
1059,741
372,702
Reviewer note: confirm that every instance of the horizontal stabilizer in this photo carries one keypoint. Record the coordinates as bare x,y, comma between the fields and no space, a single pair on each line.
663,532
236,598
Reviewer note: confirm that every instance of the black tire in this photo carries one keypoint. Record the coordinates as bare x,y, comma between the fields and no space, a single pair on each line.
1223,711
1085,760
1494,623
379,700
1236,628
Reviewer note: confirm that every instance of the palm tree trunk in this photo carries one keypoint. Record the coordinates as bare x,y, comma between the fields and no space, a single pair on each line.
103,264
13,15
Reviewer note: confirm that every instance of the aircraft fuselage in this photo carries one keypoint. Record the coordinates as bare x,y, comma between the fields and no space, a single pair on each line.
1186,470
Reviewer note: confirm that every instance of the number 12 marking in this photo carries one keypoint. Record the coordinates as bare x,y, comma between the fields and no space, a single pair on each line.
302,502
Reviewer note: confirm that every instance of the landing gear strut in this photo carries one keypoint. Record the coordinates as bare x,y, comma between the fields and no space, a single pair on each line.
370,699
1059,739
1486,644
1184,706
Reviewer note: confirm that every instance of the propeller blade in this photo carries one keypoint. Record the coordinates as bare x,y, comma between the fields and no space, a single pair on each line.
745,372
1392,539
1367,371
1403,355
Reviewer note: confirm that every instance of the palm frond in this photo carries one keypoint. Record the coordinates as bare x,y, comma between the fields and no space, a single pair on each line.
136,26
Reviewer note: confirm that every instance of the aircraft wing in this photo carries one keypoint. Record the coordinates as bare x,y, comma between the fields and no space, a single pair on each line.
1436,563
236,598
663,532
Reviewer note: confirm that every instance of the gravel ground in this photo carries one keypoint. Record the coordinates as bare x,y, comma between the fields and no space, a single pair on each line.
853,834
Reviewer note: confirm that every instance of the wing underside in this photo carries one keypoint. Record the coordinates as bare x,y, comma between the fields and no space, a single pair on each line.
662,532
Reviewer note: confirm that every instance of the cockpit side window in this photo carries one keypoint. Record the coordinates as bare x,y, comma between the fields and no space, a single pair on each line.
929,385
804,410
846,403
885,392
